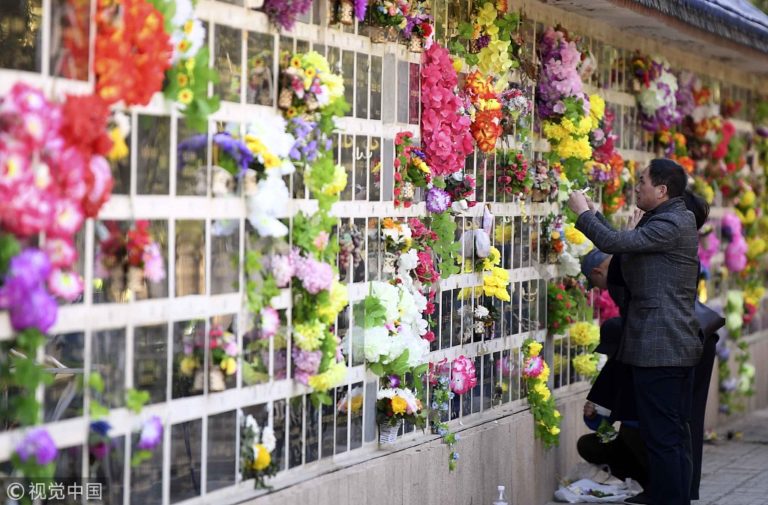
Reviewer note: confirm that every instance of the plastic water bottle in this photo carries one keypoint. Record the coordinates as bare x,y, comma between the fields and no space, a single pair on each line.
500,500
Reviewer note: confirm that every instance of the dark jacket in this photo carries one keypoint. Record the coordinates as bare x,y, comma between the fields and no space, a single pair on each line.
660,264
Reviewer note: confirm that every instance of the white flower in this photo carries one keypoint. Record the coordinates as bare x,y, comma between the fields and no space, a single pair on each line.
389,297
271,131
268,438
251,423
479,327
184,11
265,206
408,261
376,343
571,265
481,312
194,39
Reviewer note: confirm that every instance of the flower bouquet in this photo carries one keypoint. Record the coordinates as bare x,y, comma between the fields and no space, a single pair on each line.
393,406
223,352
126,260
546,417
308,85
513,177
411,171
256,447
544,185
418,27
656,88
492,41
517,108
485,109
387,18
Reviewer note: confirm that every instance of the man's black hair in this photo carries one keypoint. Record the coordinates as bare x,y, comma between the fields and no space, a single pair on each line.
670,174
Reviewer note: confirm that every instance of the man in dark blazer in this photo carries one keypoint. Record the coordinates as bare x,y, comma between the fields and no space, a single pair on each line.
660,343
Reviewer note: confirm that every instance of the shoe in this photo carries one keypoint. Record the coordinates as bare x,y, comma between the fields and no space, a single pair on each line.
640,499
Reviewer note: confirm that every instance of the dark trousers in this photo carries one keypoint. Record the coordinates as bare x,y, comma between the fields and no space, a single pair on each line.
663,396
701,377
625,455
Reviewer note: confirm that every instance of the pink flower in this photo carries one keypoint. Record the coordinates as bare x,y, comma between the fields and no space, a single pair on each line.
282,269
66,285
321,241
67,219
61,252
315,275
270,322
154,264
463,375
533,367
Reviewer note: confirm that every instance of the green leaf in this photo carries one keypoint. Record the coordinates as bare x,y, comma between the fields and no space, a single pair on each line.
97,410
140,456
9,247
136,399
96,382
466,30
400,365
376,368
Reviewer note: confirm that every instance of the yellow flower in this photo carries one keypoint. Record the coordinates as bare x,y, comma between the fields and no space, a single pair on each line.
747,199
338,183
310,73
262,458
596,107
185,96
356,403
557,414
573,235
584,333
585,126
119,148
291,112
188,365
544,375
399,405
337,300
332,377
229,365
467,293
296,62
182,79
270,160
189,64
568,125
183,45
534,348
554,430
308,336
542,390
458,64
335,85
316,61
585,364
493,259
486,15
756,246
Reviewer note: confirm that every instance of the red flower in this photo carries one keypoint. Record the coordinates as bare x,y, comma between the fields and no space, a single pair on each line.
84,124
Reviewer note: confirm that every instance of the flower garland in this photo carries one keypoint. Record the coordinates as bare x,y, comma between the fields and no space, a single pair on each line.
586,335
563,301
135,28
546,417
439,412
445,130
734,389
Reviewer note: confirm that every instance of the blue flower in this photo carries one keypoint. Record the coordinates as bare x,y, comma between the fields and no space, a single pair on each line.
454,455
101,427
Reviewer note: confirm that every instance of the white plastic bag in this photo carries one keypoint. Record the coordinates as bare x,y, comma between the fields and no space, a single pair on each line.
589,491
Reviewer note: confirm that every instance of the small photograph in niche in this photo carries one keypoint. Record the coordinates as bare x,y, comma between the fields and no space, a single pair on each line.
223,351
374,164
150,351
347,156
64,355
153,159
375,103
260,85
348,73
227,62
375,248
343,407
361,94
360,179
70,32
188,358
190,257
130,261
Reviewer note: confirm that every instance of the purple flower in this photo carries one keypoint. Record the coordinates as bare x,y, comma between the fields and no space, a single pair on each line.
360,7
151,434
236,149
762,131
438,200
483,41
37,309
723,353
394,381
37,443
315,275
306,364
282,269
285,12
729,384
193,143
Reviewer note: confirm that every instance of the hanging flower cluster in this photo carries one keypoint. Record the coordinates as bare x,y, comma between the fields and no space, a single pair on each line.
439,380
513,174
546,417
133,51
283,13
307,85
390,12
445,130
656,93
736,251
54,175
485,110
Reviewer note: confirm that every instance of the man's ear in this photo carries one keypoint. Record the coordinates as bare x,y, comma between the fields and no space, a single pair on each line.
663,188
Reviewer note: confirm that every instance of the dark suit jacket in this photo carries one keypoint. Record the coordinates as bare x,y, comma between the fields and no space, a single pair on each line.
660,266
